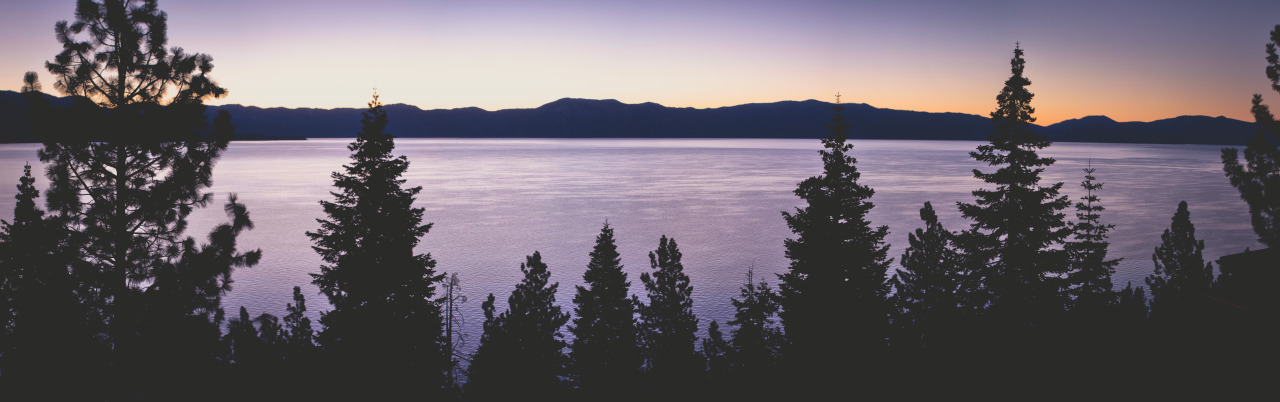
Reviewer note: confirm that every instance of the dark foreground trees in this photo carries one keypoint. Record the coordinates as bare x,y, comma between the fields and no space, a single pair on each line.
521,352
1018,226
1182,279
43,334
1089,275
668,327
932,293
757,344
127,163
384,336
833,294
1258,178
604,356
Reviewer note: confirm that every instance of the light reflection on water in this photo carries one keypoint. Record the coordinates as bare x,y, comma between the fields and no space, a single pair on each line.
494,201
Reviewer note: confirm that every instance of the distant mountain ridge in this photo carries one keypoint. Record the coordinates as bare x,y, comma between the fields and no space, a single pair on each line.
608,118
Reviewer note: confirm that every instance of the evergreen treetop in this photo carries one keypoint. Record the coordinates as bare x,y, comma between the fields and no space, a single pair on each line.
668,327
715,350
30,82
1258,179
1181,277
369,238
521,350
1018,224
931,290
757,338
604,352
44,333
386,325
1090,273
127,163
297,326
534,318
124,57
835,286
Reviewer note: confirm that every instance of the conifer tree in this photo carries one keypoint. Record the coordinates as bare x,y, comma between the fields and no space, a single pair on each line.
716,352
43,333
246,347
488,365
386,326
1258,179
27,249
453,336
1182,278
272,336
930,290
297,330
833,294
1189,335
604,355
1129,319
668,327
757,338
127,164
1090,273
1018,226
521,352
297,360
30,82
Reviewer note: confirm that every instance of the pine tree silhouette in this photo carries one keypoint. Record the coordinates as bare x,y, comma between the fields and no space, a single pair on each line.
127,164
1018,226
604,356
716,352
1258,179
521,352
1182,278
833,294
668,328
757,339
1090,274
44,336
385,334
932,293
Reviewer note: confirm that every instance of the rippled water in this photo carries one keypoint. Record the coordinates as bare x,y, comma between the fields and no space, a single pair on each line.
493,202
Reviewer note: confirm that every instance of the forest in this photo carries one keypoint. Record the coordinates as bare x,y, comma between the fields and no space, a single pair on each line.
104,296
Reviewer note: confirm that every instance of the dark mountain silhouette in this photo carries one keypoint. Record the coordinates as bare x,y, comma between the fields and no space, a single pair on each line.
587,118
1177,130
15,126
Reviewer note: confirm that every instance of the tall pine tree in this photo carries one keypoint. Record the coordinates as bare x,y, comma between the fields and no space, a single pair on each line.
297,326
1258,179
521,352
833,294
604,356
757,338
127,163
931,291
386,327
716,352
1090,272
1018,227
668,328
43,333
1182,278
1191,337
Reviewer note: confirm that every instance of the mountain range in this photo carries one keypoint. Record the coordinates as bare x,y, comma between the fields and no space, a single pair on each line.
588,118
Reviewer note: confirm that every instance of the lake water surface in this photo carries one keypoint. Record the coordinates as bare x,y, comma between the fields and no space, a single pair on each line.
494,201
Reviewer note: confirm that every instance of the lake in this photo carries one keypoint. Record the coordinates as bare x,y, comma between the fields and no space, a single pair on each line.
495,201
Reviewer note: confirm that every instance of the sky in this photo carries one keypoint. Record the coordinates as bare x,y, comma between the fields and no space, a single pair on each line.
1130,60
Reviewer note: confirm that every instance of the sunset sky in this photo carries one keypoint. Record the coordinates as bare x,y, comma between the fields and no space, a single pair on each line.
1131,60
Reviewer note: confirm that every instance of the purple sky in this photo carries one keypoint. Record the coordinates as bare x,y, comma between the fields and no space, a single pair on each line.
1131,60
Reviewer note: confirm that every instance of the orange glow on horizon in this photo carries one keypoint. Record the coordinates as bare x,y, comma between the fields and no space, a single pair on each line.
1131,63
